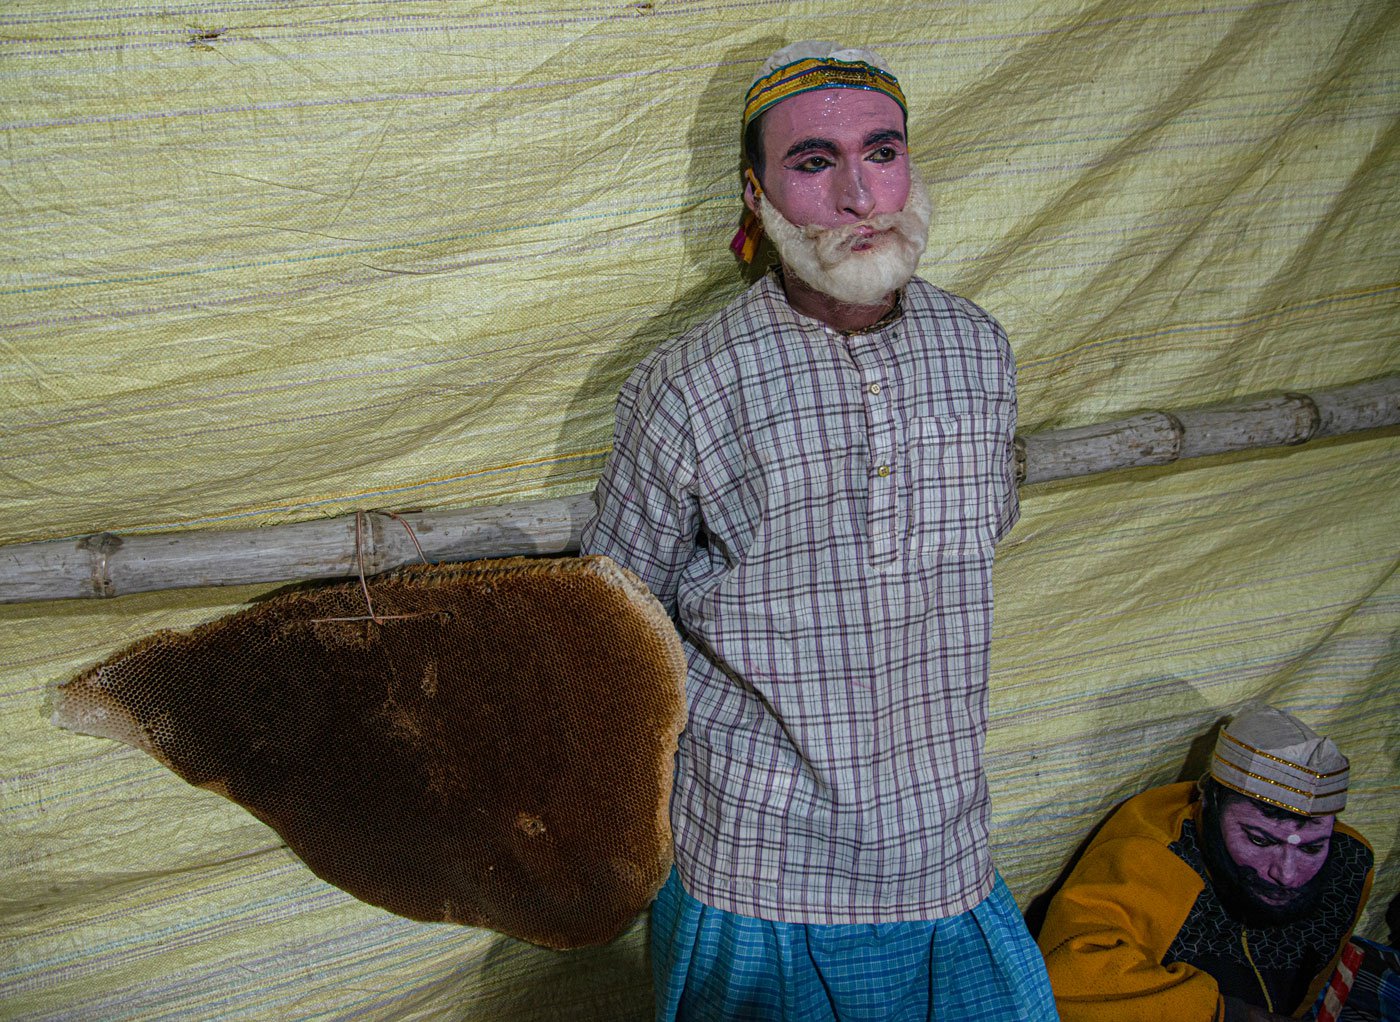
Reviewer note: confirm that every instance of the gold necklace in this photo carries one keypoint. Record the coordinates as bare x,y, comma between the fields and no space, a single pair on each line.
1244,943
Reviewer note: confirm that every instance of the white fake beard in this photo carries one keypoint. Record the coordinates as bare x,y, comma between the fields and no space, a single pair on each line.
821,257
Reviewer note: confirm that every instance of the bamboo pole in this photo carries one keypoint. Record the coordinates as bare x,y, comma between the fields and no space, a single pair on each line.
1159,438
106,565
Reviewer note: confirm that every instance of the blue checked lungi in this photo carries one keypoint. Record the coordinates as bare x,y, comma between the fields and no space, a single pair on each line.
709,964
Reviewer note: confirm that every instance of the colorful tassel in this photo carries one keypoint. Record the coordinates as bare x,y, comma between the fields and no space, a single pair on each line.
746,239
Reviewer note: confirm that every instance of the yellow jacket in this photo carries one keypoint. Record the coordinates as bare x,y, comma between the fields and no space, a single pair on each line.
1111,924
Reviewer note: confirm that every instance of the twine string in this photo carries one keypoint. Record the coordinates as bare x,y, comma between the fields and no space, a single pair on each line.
360,564
377,618
411,535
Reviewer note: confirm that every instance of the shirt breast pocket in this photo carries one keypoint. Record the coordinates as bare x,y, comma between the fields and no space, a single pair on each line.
958,466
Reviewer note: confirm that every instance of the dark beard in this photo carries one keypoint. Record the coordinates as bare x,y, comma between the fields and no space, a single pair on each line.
1238,889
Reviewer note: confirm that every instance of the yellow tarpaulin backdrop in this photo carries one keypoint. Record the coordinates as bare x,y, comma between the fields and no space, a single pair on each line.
265,260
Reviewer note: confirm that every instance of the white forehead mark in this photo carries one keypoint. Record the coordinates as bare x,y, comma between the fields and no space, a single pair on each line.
1294,839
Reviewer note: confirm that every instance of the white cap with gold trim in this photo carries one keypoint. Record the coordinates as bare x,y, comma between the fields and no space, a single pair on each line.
1273,756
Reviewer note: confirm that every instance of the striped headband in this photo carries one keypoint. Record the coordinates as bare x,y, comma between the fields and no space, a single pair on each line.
818,73
1275,758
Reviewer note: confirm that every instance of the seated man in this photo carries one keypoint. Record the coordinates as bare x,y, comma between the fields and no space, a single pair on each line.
1231,903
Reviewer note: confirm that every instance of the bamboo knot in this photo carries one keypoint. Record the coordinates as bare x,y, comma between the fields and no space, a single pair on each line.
99,548
1178,435
1018,449
1314,418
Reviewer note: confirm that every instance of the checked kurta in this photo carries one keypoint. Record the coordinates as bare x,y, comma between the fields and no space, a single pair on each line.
819,511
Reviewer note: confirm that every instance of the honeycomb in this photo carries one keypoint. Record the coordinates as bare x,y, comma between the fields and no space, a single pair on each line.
496,750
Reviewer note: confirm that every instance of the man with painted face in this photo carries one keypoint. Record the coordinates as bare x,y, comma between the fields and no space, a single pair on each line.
813,482
1228,900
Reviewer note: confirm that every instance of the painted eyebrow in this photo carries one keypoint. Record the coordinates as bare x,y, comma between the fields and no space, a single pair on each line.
888,135
824,145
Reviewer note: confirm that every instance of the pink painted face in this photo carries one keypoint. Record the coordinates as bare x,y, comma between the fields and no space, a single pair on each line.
834,157
1278,856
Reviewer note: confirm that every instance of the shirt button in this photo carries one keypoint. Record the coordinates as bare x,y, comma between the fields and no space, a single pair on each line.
883,471
874,388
